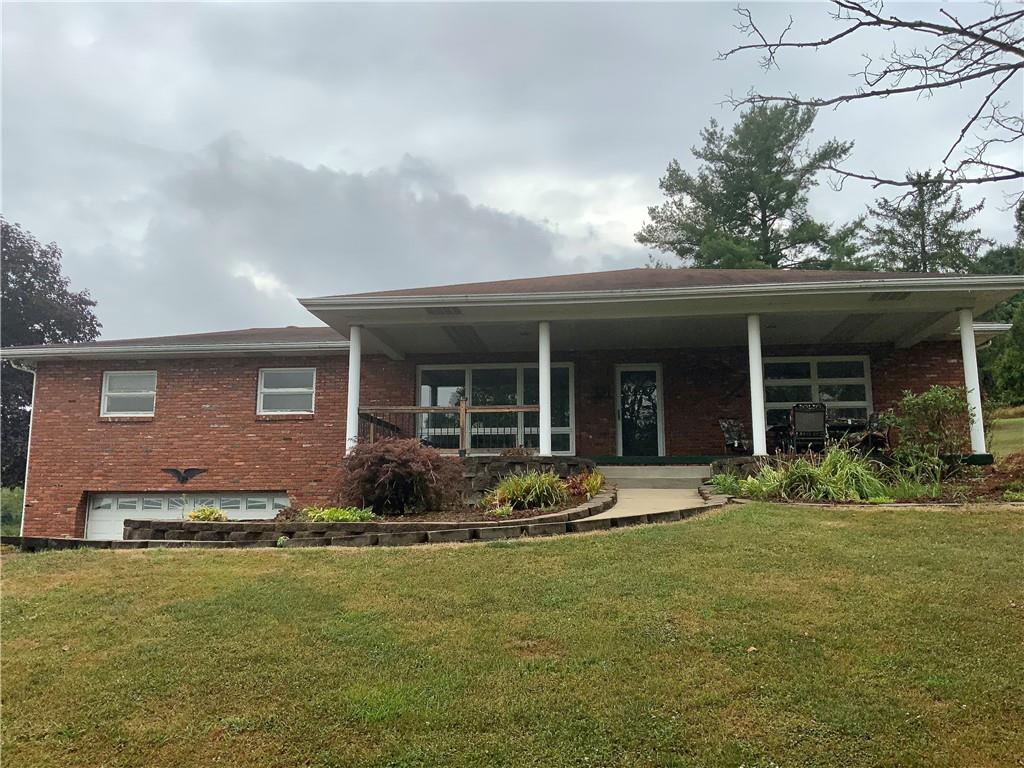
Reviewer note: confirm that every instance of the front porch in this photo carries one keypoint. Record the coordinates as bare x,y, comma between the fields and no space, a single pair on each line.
645,375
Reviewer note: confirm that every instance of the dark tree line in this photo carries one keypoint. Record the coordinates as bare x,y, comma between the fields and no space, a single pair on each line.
37,306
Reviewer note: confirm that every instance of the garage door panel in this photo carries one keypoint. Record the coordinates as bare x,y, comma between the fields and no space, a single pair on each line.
108,511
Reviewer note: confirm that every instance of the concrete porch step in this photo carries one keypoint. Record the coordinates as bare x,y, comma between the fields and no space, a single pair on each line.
656,476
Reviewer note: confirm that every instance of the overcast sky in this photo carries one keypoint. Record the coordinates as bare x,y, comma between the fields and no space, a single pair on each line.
203,165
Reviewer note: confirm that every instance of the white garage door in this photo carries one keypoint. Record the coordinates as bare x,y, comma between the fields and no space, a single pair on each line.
108,511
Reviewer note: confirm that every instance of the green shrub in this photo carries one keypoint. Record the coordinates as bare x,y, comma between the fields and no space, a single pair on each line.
338,514
530,490
935,422
208,514
503,511
726,484
1013,495
399,476
881,500
11,503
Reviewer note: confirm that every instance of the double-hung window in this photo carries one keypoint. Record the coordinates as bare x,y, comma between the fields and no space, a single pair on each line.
128,393
842,383
286,390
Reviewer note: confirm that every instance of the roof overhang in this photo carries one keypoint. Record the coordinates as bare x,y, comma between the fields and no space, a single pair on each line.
156,351
903,311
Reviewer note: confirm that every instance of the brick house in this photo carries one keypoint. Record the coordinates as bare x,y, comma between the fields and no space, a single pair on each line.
631,365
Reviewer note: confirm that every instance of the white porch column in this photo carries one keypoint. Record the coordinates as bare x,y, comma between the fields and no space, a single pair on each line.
758,426
355,350
544,385
971,380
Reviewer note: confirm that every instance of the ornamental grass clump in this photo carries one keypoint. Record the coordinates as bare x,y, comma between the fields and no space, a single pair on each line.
529,490
727,484
837,475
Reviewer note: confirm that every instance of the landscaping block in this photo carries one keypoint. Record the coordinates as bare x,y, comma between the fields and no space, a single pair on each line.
669,516
623,522
306,541
355,540
140,533
451,534
209,536
129,544
582,526
545,529
500,532
401,539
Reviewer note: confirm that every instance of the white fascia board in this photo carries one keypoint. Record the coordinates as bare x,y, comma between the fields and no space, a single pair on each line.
933,284
171,350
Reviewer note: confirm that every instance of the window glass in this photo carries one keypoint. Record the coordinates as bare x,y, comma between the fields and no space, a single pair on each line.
127,503
280,502
840,369
152,503
206,501
559,395
830,392
255,503
796,393
288,379
444,387
230,502
176,503
287,403
844,382
798,370
104,502
128,393
286,390
494,386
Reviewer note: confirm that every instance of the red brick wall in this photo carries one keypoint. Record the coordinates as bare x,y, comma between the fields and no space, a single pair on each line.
206,417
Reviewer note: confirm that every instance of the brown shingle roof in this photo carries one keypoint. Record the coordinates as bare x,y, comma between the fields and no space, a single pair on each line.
288,334
641,278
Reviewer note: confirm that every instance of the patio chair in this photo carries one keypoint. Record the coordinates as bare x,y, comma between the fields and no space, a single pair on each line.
736,440
809,422
874,436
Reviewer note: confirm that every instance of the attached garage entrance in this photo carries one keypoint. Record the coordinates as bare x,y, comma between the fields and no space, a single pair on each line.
108,511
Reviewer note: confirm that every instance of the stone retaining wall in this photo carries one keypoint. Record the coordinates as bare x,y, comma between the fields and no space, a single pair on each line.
484,472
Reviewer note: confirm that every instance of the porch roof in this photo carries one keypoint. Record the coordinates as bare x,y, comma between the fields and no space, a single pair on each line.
652,308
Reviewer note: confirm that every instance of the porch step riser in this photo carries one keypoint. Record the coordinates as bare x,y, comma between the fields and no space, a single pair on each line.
655,472
657,482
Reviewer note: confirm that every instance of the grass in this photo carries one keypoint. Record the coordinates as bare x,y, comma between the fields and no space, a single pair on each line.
1007,436
757,635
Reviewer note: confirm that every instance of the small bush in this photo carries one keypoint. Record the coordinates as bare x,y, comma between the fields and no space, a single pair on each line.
530,490
400,476
912,490
208,514
586,484
881,500
1013,495
726,484
503,511
338,514
935,422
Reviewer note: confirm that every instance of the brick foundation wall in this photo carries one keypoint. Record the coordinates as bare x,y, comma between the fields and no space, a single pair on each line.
206,417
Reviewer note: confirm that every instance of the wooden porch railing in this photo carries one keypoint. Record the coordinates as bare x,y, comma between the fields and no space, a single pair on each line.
463,427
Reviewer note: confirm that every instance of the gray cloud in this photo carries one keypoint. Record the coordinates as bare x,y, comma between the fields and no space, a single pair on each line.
199,164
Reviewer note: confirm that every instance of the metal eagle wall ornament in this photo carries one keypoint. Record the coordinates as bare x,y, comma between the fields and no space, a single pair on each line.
183,475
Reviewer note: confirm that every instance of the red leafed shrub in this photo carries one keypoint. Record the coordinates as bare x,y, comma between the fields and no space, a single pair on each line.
399,476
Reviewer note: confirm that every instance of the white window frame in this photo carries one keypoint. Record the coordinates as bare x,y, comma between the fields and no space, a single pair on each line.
815,382
260,390
520,431
133,414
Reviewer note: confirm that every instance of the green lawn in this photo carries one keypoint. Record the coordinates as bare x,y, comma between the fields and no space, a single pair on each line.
1007,436
882,639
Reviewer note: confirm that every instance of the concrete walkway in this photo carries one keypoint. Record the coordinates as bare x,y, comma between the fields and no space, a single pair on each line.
642,501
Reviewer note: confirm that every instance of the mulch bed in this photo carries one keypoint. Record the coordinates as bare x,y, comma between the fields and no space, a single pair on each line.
476,514
993,482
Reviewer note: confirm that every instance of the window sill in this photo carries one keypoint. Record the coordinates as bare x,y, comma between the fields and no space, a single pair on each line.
284,416
126,419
